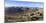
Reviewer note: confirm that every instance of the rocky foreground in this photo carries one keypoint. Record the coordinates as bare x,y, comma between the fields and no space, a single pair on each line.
23,18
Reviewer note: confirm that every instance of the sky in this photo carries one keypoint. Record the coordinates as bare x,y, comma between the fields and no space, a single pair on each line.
9,3
26,0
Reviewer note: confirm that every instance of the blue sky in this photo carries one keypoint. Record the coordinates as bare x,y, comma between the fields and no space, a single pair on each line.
27,0
9,3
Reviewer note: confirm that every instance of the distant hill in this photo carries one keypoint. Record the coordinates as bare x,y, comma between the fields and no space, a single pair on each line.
19,9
